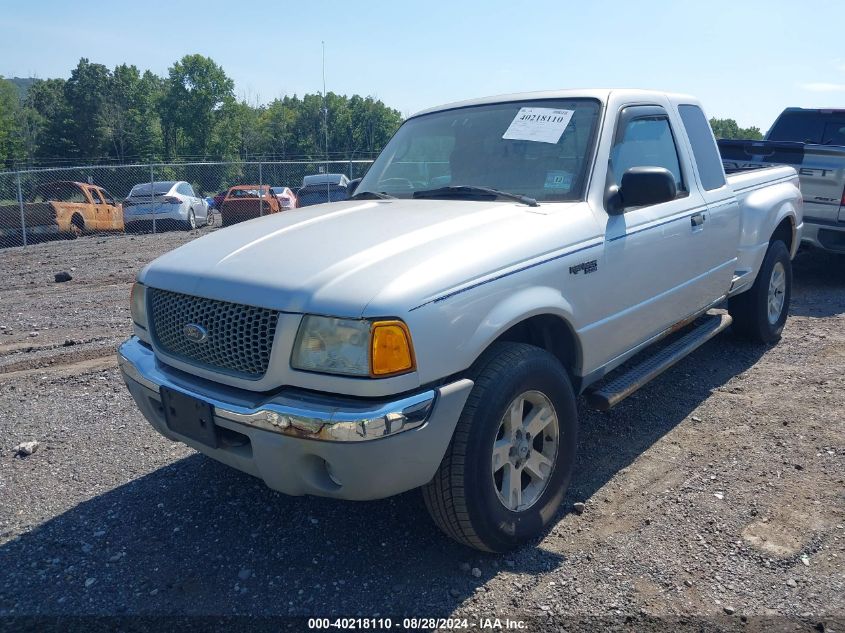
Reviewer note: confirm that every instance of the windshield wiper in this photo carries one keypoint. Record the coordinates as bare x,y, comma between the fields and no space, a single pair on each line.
372,194
470,190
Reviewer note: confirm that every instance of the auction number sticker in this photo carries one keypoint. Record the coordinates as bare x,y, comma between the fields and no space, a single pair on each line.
542,125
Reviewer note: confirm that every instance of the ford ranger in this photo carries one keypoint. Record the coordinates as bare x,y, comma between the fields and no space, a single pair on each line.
500,257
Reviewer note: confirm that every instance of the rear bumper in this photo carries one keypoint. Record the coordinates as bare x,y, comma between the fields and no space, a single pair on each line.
826,235
178,214
302,443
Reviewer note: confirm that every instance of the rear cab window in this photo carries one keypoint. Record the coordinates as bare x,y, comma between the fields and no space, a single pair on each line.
820,127
704,148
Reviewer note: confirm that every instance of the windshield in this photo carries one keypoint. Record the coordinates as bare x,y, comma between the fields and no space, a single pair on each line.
540,149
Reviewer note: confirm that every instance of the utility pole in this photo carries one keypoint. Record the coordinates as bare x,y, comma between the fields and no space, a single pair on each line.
326,122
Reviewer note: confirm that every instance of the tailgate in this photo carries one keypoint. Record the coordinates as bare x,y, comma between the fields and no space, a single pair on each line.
245,208
744,155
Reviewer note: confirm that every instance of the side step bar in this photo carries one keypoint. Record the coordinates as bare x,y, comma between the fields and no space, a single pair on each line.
613,392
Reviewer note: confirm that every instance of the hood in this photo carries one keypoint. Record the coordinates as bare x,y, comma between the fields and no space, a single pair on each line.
361,258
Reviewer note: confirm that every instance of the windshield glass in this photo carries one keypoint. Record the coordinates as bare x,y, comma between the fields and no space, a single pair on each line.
539,149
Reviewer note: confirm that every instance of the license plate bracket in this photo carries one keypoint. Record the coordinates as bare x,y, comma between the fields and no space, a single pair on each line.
189,416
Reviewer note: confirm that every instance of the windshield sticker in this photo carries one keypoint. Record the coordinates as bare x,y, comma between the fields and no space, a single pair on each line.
558,180
542,125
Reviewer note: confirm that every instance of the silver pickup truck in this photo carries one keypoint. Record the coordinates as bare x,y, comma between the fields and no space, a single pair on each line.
813,142
500,257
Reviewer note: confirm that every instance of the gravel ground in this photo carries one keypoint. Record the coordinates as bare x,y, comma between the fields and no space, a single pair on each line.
715,495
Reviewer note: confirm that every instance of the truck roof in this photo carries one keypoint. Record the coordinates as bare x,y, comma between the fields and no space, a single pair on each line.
602,94
824,110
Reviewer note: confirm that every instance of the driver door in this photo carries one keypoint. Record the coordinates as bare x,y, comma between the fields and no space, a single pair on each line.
649,281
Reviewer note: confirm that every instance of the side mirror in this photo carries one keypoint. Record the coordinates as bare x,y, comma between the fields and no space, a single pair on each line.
644,186
352,186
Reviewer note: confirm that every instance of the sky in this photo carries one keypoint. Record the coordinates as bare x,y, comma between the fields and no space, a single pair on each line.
745,59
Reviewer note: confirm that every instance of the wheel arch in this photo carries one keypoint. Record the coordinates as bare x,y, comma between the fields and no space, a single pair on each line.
786,232
536,316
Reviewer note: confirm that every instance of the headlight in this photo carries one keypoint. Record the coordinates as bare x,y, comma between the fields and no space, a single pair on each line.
353,347
138,303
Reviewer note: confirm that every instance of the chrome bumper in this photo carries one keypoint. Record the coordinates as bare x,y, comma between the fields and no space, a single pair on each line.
321,419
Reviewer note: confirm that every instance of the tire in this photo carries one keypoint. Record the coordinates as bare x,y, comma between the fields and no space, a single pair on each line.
464,497
209,218
191,224
77,226
752,317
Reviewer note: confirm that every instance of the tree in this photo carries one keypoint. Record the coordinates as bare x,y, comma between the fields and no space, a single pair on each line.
9,108
87,92
129,116
48,121
198,97
126,115
729,129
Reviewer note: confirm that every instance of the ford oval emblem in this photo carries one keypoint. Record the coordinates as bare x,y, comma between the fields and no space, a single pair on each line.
195,333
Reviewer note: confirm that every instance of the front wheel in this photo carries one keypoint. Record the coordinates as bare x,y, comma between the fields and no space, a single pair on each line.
508,465
760,313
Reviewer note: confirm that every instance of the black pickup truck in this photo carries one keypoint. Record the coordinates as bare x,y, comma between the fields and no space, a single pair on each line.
813,142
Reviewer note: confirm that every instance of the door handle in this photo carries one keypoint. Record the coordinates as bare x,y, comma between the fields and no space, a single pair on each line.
697,219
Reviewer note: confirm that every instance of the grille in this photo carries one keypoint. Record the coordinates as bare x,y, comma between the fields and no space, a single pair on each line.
240,337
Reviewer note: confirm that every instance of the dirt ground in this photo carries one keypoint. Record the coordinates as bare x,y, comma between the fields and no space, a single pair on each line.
715,497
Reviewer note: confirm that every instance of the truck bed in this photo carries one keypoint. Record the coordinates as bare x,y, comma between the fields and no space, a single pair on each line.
36,214
821,169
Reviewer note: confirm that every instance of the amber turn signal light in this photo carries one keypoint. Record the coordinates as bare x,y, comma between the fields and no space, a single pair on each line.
391,350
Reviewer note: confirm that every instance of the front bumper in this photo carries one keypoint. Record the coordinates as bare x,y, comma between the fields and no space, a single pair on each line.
302,443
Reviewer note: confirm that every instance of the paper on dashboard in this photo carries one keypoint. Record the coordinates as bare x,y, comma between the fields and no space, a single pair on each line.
542,125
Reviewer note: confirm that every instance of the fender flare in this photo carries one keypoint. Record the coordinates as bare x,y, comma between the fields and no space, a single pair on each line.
521,306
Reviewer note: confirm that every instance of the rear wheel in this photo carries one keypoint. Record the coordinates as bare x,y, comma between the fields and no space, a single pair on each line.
77,226
760,313
191,224
510,460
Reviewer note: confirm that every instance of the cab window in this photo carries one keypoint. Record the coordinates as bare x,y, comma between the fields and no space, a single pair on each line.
107,197
646,142
704,148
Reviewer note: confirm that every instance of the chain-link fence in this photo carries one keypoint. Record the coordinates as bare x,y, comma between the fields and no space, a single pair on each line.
38,206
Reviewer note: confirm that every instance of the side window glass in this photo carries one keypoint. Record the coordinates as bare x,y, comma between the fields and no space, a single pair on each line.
646,142
704,148
189,191
107,197
95,196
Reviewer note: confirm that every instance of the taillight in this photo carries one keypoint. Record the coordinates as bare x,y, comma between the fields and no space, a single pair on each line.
172,200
